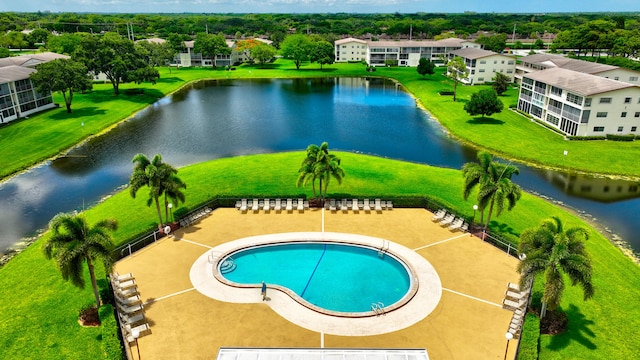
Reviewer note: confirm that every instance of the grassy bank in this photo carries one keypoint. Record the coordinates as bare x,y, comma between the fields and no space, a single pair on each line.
44,135
39,309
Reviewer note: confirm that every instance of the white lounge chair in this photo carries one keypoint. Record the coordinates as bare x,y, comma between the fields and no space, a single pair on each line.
278,206
140,329
127,292
378,205
447,220
123,284
513,305
513,287
456,224
306,204
128,301
464,227
238,204
343,205
123,277
289,205
366,206
131,320
243,205
129,309
438,215
267,205
354,205
255,205
389,205
332,205
300,205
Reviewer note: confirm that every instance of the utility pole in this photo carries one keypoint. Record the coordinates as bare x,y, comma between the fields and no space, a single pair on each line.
410,31
513,38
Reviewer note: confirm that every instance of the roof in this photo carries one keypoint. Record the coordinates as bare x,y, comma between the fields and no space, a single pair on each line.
154,40
578,82
14,73
350,39
550,60
31,60
474,53
449,42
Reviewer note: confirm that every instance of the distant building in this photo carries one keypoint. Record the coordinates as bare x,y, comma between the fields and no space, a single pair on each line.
403,53
580,104
482,65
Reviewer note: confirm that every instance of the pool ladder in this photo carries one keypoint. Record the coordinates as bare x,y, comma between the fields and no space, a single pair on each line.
384,248
378,308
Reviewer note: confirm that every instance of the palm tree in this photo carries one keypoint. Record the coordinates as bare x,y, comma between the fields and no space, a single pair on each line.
494,182
327,169
160,177
73,242
319,165
172,191
306,171
551,250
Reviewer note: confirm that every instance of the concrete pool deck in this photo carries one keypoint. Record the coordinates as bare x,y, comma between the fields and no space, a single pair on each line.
468,321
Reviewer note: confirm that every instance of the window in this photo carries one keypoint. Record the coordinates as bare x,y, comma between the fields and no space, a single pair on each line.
576,99
480,70
510,62
483,61
637,114
552,119
481,79
616,78
495,61
556,91
605,100
620,128
509,71
502,62
627,100
601,114
624,114
633,78
587,102
598,128
634,128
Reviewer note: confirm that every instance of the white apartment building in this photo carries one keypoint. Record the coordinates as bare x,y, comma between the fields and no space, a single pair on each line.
482,65
190,58
580,104
18,96
537,62
350,50
404,53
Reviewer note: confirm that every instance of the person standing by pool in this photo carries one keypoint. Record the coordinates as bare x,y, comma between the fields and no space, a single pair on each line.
264,291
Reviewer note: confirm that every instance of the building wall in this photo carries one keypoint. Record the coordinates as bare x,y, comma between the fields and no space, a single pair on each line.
19,99
624,75
350,51
484,69
614,112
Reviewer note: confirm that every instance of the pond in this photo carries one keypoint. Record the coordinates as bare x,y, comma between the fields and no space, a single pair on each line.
216,119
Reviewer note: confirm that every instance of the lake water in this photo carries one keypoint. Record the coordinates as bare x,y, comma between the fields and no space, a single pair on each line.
218,119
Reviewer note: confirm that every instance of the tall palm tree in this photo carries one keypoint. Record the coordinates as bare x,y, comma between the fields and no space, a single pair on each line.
327,169
173,191
319,165
494,182
73,242
551,250
306,171
159,177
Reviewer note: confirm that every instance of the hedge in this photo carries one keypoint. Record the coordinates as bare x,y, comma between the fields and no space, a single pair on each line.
530,338
111,344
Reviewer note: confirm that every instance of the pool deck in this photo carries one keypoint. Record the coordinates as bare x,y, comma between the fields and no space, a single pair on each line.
467,323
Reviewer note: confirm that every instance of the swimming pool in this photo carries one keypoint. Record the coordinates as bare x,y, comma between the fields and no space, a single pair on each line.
338,277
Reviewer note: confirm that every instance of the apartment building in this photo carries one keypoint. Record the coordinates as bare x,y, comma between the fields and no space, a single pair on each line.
402,53
537,62
189,57
580,104
482,65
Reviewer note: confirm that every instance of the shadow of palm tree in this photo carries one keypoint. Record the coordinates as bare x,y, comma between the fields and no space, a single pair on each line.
77,113
577,330
484,120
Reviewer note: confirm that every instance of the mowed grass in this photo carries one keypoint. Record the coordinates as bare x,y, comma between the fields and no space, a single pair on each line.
508,133
39,309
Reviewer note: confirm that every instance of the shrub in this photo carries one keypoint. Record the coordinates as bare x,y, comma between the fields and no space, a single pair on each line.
111,344
586,137
614,137
446,92
530,339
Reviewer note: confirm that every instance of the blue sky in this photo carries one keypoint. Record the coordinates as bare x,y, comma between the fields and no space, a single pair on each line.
319,6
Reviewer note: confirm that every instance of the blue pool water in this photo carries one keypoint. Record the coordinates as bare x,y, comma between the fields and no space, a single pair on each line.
337,277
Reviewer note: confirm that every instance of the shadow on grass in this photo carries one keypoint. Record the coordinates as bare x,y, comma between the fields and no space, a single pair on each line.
484,121
502,228
145,95
170,79
77,113
578,330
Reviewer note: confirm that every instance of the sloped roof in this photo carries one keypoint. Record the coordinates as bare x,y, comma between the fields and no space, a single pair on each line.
350,39
154,40
473,53
12,73
550,60
31,60
449,42
578,82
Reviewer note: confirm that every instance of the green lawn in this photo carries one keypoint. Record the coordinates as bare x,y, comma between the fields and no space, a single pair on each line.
39,309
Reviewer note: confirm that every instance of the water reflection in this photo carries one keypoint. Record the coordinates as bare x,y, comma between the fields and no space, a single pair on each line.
214,119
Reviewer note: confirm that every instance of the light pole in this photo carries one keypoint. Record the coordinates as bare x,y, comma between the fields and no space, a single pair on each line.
136,334
473,219
509,336
170,213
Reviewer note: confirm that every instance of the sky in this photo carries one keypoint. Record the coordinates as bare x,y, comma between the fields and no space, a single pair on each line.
320,6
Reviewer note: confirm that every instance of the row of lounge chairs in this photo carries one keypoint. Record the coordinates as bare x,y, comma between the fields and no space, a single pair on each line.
450,220
516,300
129,306
267,205
356,205
195,216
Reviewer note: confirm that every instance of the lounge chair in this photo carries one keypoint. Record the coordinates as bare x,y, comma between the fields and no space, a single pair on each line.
343,205
238,204
129,309
139,329
447,220
377,205
123,277
438,215
332,205
513,287
243,205
278,205
366,206
300,205
514,295
306,204
131,320
354,205
464,227
126,293
289,205
255,205
122,285
128,301
456,224
513,305
267,205
389,205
